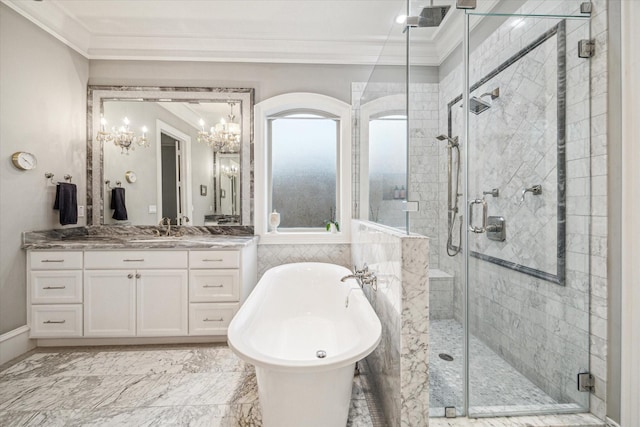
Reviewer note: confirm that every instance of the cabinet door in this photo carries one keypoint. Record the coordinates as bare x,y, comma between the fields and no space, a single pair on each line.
163,308
109,303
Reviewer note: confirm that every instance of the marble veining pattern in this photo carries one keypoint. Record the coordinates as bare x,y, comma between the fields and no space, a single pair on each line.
402,303
495,385
573,420
156,385
138,237
538,327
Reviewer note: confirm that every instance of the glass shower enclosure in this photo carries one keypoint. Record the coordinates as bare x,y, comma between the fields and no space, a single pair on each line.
502,180
493,143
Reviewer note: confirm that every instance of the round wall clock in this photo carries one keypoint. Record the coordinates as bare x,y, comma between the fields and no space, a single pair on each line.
24,161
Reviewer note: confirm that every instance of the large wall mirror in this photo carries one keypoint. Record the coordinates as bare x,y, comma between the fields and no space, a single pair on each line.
164,152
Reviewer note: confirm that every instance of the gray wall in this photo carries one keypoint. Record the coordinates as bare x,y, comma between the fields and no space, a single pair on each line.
42,111
268,79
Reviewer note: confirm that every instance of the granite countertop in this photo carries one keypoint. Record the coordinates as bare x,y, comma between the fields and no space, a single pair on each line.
138,237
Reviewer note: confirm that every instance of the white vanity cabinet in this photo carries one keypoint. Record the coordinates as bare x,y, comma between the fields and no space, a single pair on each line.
148,300
219,282
175,295
55,293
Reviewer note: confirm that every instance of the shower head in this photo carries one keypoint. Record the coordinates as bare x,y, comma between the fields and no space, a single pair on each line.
477,105
432,16
453,142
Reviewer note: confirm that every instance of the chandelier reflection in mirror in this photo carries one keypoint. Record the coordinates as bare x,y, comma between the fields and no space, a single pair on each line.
122,137
224,137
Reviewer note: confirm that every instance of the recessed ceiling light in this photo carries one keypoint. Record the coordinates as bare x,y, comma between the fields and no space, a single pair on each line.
401,19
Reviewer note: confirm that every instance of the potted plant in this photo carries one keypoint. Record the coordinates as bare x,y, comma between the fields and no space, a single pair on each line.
332,225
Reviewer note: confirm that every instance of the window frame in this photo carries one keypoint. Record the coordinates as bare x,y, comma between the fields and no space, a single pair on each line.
289,104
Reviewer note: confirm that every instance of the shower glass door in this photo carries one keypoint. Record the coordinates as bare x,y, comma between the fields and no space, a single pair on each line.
526,157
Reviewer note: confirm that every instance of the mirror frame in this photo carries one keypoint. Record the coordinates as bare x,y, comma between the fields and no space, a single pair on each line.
97,94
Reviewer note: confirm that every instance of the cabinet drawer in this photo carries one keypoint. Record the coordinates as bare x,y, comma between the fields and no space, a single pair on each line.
55,260
53,321
214,286
56,287
135,259
210,319
214,259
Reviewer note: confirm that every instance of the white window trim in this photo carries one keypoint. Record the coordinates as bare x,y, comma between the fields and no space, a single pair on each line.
302,101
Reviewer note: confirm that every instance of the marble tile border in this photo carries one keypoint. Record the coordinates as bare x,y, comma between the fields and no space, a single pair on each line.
559,30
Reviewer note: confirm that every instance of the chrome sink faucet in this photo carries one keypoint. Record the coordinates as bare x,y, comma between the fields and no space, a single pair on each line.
165,222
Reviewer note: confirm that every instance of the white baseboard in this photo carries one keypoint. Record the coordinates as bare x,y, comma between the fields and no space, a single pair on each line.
15,343
74,342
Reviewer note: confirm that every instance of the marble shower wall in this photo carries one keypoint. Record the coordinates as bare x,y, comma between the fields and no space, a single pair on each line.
539,327
424,159
402,304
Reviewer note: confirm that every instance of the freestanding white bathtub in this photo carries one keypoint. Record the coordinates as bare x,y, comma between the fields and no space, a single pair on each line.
296,311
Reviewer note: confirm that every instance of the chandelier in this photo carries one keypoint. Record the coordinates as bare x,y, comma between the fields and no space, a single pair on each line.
122,137
224,136
230,171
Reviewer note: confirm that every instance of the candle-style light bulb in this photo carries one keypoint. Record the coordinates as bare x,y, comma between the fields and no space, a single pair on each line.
144,131
103,124
201,123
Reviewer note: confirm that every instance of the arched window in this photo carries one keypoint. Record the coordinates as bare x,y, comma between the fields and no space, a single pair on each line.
303,167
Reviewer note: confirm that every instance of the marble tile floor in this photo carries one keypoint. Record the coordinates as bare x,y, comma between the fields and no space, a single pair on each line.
190,385
566,420
496,387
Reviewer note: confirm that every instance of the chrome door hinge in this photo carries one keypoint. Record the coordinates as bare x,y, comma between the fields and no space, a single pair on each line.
586,382
586,7
586,48
466,4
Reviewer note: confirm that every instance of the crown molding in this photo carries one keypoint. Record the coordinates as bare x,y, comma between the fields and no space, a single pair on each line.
50,18
425,51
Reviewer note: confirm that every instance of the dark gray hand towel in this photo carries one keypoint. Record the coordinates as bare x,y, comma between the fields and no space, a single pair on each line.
67,203
117,203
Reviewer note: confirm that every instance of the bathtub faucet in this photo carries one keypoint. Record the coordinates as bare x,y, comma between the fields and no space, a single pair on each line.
363,277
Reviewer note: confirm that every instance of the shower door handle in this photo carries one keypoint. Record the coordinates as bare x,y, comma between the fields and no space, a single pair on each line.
484,216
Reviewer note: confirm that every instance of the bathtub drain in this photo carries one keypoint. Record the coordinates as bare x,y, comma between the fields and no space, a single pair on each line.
321,354
445,356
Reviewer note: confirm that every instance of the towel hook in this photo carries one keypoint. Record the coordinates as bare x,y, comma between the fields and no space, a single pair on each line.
49,176
108,184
